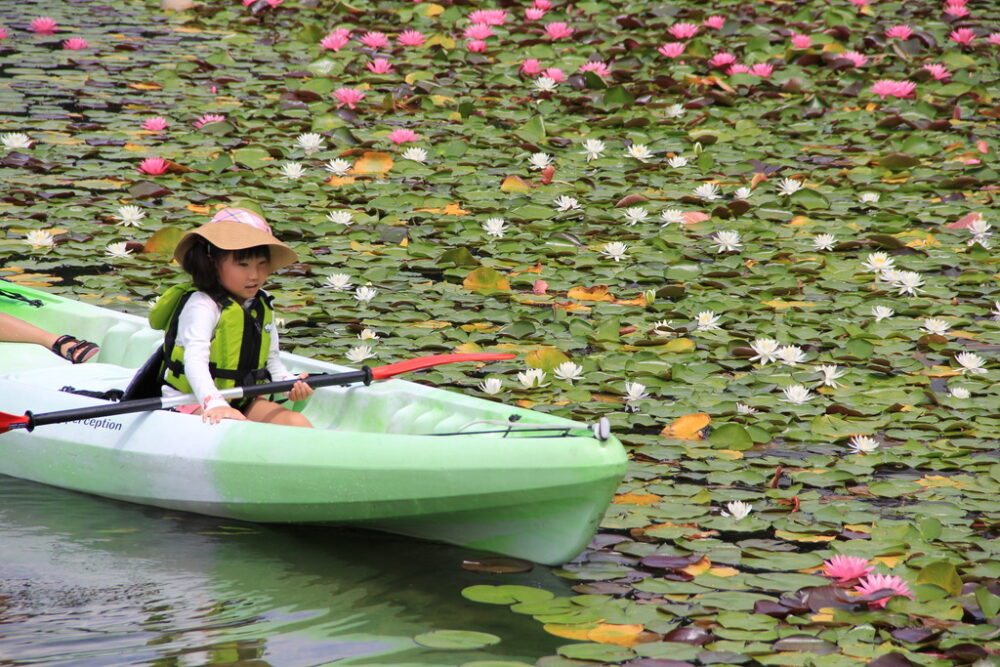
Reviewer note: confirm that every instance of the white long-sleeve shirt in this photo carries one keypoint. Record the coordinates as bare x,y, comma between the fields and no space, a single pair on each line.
195,330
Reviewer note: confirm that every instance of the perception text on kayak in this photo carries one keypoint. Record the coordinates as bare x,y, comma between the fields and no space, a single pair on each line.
100,423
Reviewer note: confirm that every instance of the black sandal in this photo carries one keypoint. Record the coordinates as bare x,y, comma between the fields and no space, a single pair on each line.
78,353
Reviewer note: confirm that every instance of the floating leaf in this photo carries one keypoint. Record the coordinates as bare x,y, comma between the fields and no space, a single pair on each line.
688,427
456,640
485,278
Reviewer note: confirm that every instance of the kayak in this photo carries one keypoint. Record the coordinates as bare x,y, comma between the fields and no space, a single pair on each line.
395,456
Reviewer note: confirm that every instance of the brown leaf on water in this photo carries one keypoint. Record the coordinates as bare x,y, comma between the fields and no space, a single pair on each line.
630,200
595,293
688,427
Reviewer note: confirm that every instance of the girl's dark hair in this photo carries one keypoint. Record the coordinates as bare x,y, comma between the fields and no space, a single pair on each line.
202,259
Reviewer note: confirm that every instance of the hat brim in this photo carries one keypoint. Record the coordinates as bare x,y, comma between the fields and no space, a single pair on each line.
230,235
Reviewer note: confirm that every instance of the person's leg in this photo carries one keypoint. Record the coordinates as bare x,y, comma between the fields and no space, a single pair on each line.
14,330
269,412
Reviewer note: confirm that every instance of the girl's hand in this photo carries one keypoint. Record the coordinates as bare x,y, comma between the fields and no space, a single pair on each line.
300,390
215,415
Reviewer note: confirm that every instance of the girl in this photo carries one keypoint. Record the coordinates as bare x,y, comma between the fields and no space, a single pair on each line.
220,329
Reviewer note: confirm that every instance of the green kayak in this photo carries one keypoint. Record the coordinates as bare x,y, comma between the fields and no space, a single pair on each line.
394,456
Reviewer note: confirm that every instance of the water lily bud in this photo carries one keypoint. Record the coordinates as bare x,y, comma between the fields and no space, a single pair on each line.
650,296
792,85
698,148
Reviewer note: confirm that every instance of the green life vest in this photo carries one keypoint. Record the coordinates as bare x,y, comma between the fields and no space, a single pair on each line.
240,343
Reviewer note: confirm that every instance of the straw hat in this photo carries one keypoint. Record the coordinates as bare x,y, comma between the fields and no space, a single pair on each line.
236,229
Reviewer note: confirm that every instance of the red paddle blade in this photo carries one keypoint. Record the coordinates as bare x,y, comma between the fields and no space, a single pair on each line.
9,422
383,372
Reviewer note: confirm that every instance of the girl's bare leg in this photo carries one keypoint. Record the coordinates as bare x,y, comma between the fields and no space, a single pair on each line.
269,412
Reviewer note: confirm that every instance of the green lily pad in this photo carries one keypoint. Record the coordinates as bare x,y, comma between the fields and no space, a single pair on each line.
456,640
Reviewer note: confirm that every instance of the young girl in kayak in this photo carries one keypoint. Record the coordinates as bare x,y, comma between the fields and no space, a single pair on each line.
220,328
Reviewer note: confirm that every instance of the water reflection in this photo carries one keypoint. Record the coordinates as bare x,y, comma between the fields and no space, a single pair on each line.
91,582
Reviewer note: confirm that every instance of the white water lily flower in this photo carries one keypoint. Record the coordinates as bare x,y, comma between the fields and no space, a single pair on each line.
737,509
293,170
791,355
368,334
593,148
565,203
959,392
345,218
634,214
862,444
416,154
365,294
979,227
279,323
797,394
707,191
360,353
677,162
640,152
39,238
882,313
935,326
970,362
338,167
789,186
908,282
996,311
310,142
338,281
568,371
545,84
615,250
674,111
664,328
766,349
14,140
744,409
830,374
706,320
672,216
869,197
539,160
824,241
495,227
531,378
635,391
491,386
130,216
742,193
878,262
726,241
118,250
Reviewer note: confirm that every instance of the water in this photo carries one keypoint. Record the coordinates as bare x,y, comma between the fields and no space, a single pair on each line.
90,582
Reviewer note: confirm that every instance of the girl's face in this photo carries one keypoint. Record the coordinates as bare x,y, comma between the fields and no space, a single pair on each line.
243,278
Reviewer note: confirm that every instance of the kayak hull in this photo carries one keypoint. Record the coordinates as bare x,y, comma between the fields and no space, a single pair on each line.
379,458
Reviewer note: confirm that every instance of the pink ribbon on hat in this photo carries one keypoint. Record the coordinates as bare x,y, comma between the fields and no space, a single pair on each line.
243,215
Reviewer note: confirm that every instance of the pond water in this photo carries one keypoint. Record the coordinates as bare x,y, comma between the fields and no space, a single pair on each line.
88,582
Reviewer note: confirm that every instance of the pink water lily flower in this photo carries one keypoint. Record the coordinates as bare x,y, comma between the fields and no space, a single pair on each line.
888,88
476,45
859,3
539,287
542,4
208,118
963,36
154,166
763,70
938,72
43,25
955,9
846,568
533,13
75,44
994,38
801,41
672,49
348,96
478,31
531,67
156,124
336,39
379,66
402,135
859,59
411,38
890,583
899,32
488,16
714,22
737,68
555,74
597,67
557,30
374,39
683,30
721,59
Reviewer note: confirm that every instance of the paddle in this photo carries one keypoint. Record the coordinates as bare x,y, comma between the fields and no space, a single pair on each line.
29,421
